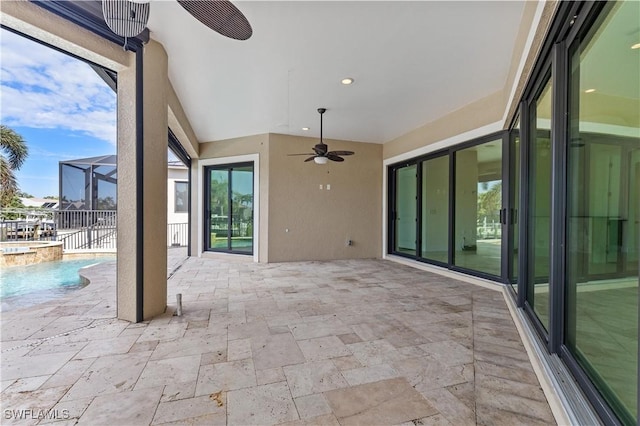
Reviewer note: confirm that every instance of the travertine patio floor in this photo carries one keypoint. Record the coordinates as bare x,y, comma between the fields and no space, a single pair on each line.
343,342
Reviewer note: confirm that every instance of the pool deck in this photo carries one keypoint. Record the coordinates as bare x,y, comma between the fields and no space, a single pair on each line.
327,343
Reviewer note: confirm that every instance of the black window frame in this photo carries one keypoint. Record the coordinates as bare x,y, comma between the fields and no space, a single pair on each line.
207,205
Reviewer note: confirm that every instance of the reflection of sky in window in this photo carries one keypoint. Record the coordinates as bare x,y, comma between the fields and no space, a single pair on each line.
486,186
242,182
72,183
106,189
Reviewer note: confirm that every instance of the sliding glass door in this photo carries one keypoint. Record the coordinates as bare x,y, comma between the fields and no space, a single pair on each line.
478,208
229,208
447,208
434,243
603,208
405,210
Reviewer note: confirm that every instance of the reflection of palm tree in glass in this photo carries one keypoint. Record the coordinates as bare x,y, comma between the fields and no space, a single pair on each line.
489,205
219,197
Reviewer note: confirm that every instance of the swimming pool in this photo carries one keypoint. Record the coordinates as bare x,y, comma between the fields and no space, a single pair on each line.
50,277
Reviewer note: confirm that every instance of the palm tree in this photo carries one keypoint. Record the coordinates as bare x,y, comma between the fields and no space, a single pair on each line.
15,149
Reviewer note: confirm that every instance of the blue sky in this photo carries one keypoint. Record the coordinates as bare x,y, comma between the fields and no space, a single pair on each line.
58,104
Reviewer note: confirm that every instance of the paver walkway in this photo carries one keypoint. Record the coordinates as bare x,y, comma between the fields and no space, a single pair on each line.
343,342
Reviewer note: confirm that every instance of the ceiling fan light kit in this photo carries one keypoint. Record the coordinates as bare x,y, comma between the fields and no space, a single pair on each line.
321,154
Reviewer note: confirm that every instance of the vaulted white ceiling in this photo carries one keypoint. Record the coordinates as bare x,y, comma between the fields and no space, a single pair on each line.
412,63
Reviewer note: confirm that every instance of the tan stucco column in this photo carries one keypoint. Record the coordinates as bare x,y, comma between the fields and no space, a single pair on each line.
142,197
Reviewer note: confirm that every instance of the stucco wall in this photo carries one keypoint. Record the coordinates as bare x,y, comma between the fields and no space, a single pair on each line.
320,221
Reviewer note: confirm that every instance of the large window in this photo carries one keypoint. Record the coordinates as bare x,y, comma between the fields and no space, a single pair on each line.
603,206
229,208
181,198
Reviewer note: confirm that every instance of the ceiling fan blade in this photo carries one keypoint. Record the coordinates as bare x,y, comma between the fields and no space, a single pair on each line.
333,157
221,16
310,153
310,159
341,152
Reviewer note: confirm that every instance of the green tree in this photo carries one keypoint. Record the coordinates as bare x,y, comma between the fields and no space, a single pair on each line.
490,202
9,213
14,152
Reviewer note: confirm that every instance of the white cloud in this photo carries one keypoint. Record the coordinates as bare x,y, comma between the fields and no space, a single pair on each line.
44,88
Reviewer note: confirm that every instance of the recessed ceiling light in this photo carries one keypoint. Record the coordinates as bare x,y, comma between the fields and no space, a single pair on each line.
636,46
589,90
305,128
347,81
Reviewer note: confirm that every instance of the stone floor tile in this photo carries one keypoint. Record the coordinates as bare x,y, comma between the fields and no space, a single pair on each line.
313,329
239,349
68,410
190,346
313,377
349,338
465,392
6,383
55,346
448,405
346,362
27,384
324,420
505,400
374,373
270,375
426,373
490,416
260,405
225,376
125,408
312,406
248,329
163,332
170,370
176,391
374,352
437,420
277,350
400,324
214,357
386,402
33,366
16,402
448,352
523,375
193,408
145,346
109,374
323,348
113,346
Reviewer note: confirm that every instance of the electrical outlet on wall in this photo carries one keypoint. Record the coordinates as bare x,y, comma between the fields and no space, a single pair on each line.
320,186
328,187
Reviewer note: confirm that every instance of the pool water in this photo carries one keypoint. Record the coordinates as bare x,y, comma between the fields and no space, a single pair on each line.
55,277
